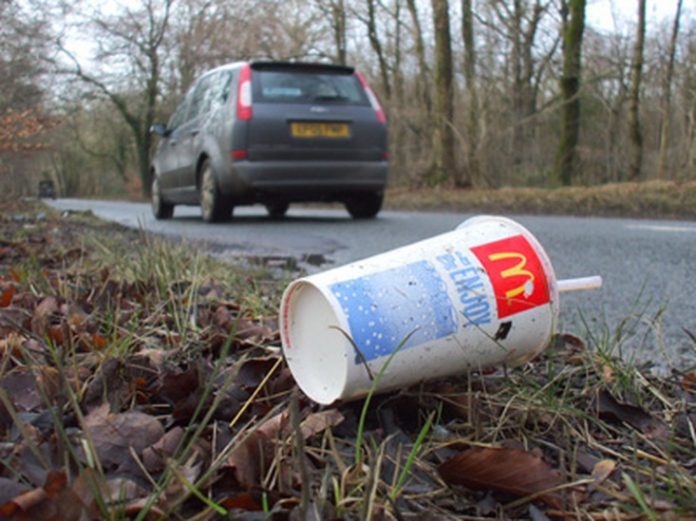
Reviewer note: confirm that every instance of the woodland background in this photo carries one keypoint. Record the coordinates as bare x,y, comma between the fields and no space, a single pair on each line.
478,93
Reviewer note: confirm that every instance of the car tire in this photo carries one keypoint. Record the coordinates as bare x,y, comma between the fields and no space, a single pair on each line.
365,205
214,206
160,208
277,210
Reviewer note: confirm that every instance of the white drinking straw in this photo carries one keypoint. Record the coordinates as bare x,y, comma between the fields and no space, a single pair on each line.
579,284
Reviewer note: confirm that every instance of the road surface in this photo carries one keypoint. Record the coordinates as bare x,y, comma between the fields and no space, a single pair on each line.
648,267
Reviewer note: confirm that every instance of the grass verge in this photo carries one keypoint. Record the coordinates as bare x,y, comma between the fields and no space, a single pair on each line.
143,380
654,199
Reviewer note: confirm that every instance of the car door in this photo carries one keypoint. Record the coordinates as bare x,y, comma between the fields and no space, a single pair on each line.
167,153
190,131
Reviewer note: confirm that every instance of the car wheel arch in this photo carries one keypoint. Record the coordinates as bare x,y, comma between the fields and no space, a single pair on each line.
199,169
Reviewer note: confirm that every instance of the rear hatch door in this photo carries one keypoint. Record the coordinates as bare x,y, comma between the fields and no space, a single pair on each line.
312,112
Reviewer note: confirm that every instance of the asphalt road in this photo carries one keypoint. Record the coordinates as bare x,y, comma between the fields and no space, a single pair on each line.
648,267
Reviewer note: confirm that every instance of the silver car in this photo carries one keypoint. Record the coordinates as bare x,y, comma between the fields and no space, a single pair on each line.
273,133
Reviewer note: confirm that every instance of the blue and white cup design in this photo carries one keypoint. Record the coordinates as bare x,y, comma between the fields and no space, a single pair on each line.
427,309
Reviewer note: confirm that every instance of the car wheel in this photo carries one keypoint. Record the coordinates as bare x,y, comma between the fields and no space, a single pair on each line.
278,209
214,207
365,205
160,208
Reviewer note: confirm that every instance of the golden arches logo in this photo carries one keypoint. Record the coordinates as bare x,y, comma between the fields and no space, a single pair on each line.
515,271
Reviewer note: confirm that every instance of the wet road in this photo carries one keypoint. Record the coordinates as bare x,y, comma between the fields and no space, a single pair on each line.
648,267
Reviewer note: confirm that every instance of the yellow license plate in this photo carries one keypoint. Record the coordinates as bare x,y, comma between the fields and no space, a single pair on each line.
320,130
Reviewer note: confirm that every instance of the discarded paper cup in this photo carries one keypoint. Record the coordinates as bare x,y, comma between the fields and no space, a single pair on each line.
481,295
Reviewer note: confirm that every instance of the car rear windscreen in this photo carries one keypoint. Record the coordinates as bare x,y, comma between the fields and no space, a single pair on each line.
307,86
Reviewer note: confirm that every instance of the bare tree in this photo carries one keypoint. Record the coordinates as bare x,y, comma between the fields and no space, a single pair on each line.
423,76
573,26
634,126
23,121
21,70
518,22
370,21
132,42
444,164
689,101
334,12
472,105
667,95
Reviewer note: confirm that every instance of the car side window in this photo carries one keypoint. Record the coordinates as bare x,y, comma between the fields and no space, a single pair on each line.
201,101
198,100
179,115
220,90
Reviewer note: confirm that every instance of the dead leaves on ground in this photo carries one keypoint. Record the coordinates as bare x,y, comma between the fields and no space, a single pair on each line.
512,471
142,413
610,409
119,438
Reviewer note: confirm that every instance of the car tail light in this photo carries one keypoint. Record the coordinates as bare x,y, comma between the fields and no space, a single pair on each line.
240,153
244,94
373,98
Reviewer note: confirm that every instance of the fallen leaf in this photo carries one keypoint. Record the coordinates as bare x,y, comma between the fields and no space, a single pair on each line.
319,421
247,330
689,382
42,315
586,462
56,333
98,341
512,471
246,460
154,457
107,382
282,382
602,470
52,501
223,318
252,372
135,508
123,489
572,342
12,344
242,502
274,425
114,435
10,489
76,317
178,385
6,297
25,389
610,409
23,502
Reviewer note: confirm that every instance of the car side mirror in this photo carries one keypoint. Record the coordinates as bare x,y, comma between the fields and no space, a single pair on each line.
160,129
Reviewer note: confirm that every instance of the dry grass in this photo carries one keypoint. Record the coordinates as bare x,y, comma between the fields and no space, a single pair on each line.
655,199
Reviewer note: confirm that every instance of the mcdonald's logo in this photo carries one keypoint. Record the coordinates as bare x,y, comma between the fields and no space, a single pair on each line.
516,274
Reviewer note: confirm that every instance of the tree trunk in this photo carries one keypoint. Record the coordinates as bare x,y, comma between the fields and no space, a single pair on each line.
444,165
472,107
376,45
339,9
667,96
634,127
573,13
521,20
424,71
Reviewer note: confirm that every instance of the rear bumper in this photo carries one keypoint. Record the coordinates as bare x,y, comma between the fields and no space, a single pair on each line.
303,180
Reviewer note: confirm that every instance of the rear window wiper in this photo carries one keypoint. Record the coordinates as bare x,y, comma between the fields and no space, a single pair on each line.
330,98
